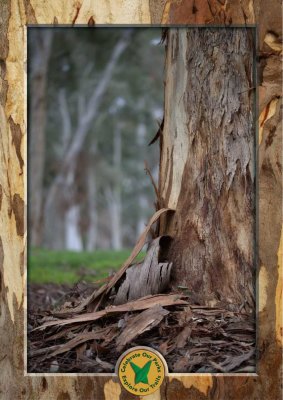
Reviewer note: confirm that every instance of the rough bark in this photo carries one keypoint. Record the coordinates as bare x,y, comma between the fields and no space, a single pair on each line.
15,15
207,162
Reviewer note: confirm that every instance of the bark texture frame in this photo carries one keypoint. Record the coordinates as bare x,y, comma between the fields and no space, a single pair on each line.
16,15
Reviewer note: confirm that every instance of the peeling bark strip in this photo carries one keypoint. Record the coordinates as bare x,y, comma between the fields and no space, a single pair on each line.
207,162
141,304
146,278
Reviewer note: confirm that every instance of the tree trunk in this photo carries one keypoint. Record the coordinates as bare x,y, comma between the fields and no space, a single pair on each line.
207,162
92,202
73,239
116,204
39,66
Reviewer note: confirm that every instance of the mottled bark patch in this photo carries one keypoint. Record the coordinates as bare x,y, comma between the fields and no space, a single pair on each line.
4,48
183,393
17,140
208,12
30,14
18,207
63,396
91,21
44,384
76,14
22,262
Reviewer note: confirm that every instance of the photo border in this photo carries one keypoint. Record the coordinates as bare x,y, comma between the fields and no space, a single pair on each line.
13,124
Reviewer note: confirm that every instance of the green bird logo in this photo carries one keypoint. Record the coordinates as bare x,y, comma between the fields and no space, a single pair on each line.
141,372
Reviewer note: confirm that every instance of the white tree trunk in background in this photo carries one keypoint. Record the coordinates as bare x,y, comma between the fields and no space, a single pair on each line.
54,228
92,195
116,206
115,212
73,239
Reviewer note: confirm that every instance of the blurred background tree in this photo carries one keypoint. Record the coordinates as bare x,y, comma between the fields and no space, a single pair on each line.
95,97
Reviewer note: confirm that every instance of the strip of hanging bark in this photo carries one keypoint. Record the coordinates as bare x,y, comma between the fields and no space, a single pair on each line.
141,323
136,305
88,302
159,132
146,278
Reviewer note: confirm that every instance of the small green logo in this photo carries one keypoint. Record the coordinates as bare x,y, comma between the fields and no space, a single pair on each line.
141,373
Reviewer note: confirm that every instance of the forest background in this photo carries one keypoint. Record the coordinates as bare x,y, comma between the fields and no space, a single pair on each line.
95,101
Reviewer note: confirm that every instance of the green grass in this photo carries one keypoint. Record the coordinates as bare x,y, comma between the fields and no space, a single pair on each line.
50,266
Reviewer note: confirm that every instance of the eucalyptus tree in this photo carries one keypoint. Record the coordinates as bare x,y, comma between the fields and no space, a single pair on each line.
207,169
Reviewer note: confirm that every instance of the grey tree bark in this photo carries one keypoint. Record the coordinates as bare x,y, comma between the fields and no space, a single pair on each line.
207,163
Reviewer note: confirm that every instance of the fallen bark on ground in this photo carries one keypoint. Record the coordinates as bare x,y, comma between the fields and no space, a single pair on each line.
192,338
74,335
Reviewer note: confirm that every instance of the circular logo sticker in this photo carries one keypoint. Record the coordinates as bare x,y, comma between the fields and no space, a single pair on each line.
141,370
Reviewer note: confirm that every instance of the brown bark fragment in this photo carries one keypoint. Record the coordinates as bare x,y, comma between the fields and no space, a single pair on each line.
16,140
29,11
140,324
146,278
91,21
18,207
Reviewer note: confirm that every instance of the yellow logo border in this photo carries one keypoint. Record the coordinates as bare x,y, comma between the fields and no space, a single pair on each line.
142,349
